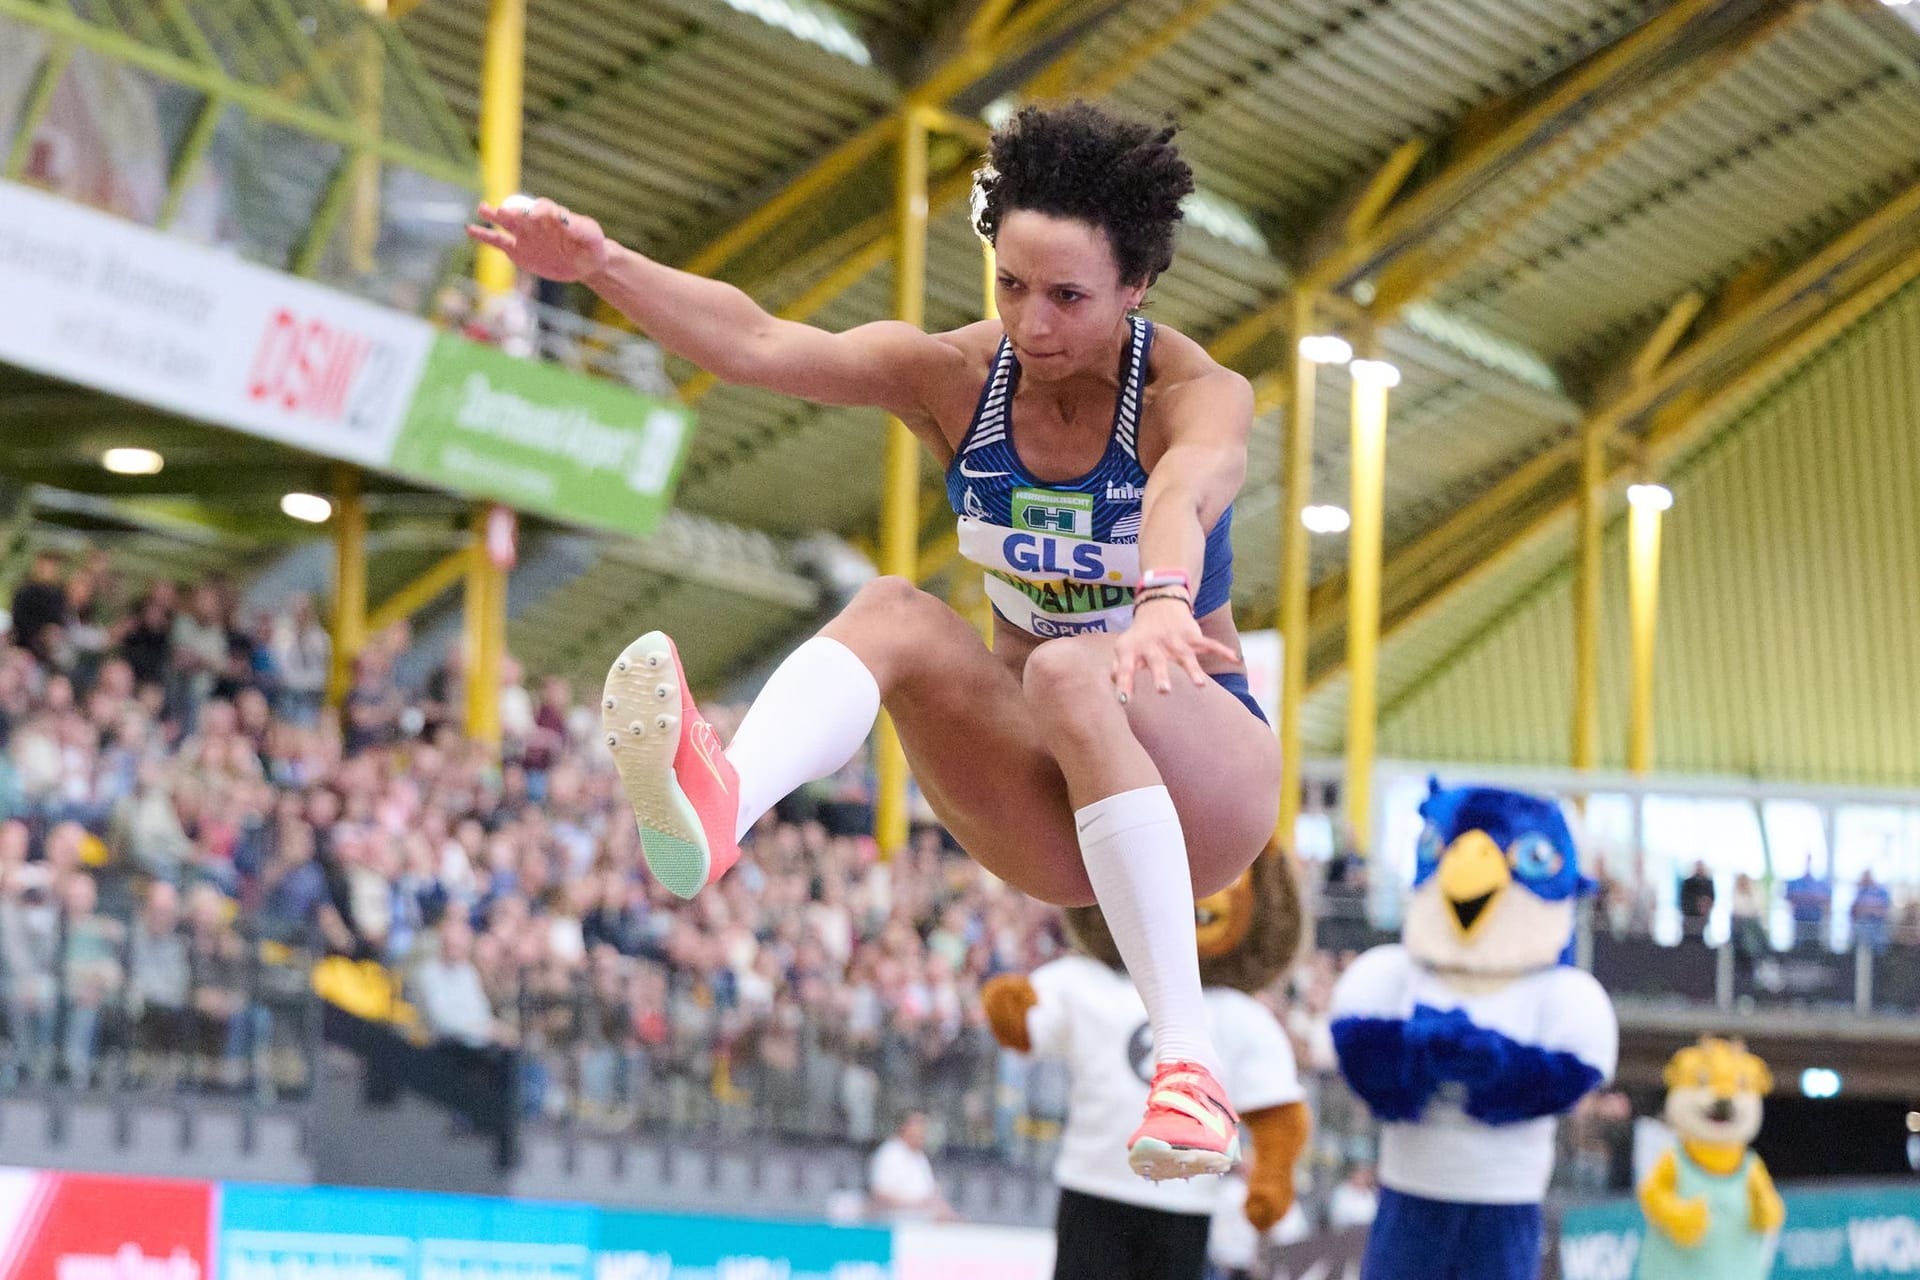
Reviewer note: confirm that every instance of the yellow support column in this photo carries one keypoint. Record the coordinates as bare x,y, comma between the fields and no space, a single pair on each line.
1646,506
349,582
363,220
899,503
502,98
1587,599
1297,466
484,634
1372,379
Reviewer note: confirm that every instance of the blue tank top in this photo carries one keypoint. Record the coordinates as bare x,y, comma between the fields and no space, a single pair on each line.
1062,556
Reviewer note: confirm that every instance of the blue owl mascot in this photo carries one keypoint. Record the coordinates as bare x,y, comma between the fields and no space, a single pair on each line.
1469,1037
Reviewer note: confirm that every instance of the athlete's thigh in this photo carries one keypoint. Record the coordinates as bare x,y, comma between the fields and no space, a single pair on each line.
1221,765
980,759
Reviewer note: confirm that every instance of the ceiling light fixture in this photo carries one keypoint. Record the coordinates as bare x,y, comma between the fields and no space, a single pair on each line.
132,462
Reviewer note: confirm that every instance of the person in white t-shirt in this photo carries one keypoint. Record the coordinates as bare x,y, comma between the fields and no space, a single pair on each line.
900,1181
1112,1224
1356,1201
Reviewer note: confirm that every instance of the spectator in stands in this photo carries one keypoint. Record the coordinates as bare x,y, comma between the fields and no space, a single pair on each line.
1356,1201
146,641
302,657
1696,903
218,962
1749,935
40,608
159,984
199,652
92,972
1870,913
29,949
448,991
1811,898
900,1181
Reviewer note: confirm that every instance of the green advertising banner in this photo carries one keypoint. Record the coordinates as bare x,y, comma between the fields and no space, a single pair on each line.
1830,1235
540,438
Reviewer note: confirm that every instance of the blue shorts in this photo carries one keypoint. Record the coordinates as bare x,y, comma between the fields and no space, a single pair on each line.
1235,683
1418,1239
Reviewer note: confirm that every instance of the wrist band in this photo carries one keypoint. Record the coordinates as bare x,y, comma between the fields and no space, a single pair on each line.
1165,578
1163,593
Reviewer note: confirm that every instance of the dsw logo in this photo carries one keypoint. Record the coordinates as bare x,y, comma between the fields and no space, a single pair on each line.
1884,1246
319,370
1605,1255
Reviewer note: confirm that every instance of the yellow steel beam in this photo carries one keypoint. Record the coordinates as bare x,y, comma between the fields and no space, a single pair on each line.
1334,259
870,246
1425,268
1368,465
1382,188
1665,337
419,593
1585,753
985,20
1297,466
349,631
1579,90
973,59
484,620
1643,612
899,507
502,112
1328,599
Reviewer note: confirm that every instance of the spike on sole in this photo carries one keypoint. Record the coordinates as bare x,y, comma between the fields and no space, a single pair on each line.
671,837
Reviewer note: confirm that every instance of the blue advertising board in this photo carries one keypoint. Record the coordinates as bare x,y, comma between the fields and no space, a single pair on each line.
658,1246
1835,1234
325,1233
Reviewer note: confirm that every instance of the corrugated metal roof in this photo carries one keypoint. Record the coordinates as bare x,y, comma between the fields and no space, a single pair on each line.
1587,163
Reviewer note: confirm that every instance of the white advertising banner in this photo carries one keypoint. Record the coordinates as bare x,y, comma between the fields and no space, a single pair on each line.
1261,649
934,1251
107,304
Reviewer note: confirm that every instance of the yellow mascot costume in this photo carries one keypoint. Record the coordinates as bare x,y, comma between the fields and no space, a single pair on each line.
1083,1010
1712,1211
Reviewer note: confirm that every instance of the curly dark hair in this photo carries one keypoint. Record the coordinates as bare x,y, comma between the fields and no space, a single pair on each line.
1078,161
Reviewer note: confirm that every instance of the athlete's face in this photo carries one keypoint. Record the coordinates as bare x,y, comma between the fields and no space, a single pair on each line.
1060,296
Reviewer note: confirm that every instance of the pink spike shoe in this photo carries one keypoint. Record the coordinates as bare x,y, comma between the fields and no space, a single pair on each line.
1189,1130
683,789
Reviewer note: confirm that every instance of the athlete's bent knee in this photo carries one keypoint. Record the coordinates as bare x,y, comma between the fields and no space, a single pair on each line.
892,624
887,596
1062,674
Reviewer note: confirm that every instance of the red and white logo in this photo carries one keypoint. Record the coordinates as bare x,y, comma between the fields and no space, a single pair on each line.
75,1226
310,367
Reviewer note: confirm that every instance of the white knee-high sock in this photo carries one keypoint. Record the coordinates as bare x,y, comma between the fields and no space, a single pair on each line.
1137,861
817,708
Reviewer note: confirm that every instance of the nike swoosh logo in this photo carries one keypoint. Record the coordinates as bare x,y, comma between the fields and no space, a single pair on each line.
1180,1102
705,744
980,475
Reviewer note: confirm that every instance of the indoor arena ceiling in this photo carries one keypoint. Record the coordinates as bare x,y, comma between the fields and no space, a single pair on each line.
1548,213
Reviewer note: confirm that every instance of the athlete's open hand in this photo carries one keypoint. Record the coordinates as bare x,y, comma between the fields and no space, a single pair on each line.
1165,636
542,237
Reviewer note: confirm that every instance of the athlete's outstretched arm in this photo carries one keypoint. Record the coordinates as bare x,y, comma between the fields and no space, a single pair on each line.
1189,489
887,365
